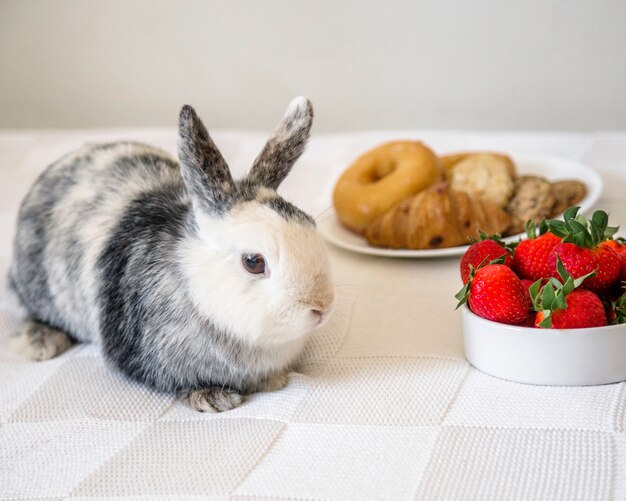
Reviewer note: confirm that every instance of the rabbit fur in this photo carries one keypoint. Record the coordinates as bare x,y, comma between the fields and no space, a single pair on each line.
120,245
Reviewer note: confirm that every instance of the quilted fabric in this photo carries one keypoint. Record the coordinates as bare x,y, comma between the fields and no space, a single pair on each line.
383,406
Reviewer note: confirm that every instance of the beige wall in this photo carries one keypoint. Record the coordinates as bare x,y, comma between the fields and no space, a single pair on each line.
539,64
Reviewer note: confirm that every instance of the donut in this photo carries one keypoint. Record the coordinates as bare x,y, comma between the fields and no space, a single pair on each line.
381,178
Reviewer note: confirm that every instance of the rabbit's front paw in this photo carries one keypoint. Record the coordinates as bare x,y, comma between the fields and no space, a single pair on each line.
38,341
215,399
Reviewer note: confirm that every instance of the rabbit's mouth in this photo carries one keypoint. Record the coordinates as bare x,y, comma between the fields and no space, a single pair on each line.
318,316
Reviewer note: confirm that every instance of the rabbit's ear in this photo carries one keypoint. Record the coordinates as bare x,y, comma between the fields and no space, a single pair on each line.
285,146
204,170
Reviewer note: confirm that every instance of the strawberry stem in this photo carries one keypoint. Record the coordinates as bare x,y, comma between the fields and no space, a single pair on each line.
497,238
531,228
576,229
552,296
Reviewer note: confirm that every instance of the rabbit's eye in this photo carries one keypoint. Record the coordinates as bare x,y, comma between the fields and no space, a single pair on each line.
253,263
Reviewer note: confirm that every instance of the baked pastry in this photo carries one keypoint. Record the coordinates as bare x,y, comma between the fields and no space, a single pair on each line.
566,194
381,178
533,200
485,176
450,161
435,218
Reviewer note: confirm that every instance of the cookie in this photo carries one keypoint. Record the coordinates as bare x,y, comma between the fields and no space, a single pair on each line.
566,194
532,199
484,176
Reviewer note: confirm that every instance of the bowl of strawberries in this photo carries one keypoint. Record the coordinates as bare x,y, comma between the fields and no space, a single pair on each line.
550,309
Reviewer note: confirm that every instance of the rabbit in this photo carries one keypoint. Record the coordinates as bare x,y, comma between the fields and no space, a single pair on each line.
190,282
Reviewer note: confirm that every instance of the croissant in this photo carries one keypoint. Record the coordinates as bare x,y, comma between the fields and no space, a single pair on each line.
435,218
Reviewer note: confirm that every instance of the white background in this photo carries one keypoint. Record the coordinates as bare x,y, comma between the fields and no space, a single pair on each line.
366,65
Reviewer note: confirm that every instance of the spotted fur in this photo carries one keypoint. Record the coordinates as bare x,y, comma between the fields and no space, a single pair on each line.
120,245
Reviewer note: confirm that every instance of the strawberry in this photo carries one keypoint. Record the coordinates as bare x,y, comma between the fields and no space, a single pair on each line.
562,305
619,246
581,251
616,244
487,249
496,293
531,255
530,316
527,284
583,309
616,309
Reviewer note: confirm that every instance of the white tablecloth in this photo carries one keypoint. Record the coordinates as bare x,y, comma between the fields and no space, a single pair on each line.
384,406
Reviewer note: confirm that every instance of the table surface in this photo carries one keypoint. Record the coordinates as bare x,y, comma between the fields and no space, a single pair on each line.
383,406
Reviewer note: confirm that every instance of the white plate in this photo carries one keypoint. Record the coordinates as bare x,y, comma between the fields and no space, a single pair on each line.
552,168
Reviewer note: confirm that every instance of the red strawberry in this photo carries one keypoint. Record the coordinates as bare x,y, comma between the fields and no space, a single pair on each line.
582,252
530,320
485,250
526,284
579,261
496,293
616,245
619,246
531,255
584,309
561,305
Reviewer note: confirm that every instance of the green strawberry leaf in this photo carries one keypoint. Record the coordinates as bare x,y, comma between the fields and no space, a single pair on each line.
568,286
600,219
463,295
498,260
570,213
559,302
582,220
580,280
597,234
578,234
555,282
612,230
546,323
559,228
569,282
560,269
548,297
583,232
512,245
531,229
553,295
533,290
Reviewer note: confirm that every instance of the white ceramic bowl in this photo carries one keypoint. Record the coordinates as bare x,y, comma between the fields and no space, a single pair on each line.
555,357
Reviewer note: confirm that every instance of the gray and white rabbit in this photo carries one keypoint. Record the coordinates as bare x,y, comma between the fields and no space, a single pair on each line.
190,282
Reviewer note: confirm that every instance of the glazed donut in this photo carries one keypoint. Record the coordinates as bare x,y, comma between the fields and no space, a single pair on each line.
381,178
